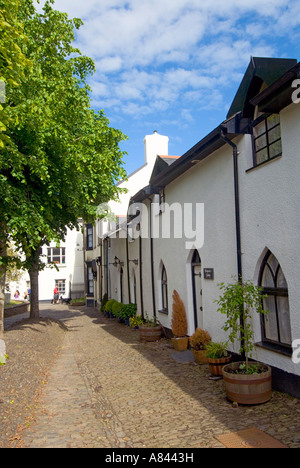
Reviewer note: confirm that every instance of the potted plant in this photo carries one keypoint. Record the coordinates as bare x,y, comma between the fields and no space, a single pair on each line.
150,330
136,321
78,302
217,355
116,311
109,306
127,311
198,341
246,382
179,324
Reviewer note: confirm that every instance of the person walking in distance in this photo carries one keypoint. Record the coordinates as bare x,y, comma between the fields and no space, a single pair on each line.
55,295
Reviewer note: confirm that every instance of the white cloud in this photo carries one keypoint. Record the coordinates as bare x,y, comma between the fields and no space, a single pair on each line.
151,54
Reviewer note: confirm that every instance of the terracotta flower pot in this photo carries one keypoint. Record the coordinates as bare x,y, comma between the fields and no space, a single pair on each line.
180,344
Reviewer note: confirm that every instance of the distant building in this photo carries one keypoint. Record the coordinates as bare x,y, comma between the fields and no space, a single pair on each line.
68,275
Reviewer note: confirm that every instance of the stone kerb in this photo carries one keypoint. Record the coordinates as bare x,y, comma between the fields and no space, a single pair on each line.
16,309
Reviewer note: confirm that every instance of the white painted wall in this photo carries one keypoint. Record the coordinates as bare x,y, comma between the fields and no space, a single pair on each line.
154,145
270,200
209,182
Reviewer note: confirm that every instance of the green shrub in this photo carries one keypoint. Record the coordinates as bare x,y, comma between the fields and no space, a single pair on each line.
117,308
127,311
109,305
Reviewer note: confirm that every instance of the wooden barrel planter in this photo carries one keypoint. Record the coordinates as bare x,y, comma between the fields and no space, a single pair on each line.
216,365
150,333
200,356
251,389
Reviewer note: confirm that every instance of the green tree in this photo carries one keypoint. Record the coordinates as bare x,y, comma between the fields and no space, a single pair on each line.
64,158
12,66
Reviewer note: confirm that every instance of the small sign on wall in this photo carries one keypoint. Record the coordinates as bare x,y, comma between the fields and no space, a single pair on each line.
208,273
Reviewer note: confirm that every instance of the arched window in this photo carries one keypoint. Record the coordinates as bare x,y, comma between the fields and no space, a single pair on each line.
276,324
164,290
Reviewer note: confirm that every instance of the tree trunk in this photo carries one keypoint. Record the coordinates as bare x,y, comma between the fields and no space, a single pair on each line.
2,299
3,253
34,296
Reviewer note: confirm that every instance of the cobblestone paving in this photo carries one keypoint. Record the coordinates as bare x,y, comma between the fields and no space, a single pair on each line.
109,390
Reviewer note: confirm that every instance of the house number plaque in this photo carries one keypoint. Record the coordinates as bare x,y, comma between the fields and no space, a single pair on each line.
208,273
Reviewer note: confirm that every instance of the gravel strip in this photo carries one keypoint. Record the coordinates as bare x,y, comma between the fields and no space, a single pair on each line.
32,348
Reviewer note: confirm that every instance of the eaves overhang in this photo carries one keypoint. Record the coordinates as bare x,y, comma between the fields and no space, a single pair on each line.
232,128
145,193
279,95
260,70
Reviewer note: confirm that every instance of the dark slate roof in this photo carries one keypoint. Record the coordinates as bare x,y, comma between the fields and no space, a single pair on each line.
260,70
280,94
162,162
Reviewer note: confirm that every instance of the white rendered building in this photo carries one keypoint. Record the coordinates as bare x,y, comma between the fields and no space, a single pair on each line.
229,207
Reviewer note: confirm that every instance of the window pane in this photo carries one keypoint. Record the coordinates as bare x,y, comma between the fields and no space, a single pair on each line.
261,142
63,255
262,156
275,149
284,320
165,296
260,129
281,281
90,237
274,134
273,120
271,331
268,281
61,286
273,262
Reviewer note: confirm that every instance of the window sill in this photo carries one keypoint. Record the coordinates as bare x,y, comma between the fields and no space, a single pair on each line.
276,348
263,163
163,311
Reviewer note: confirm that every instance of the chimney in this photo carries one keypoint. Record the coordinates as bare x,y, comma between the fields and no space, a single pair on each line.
155,145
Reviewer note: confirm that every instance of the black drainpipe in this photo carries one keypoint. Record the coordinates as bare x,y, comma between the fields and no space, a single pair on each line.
141,275
237,219
152,259
127,262
237,204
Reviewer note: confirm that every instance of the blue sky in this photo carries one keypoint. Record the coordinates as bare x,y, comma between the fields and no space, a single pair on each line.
175,65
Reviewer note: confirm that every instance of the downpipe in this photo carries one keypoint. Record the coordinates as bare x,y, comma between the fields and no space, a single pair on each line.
237,217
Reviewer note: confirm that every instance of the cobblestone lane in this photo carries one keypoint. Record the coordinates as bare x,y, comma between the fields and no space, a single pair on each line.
107,389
